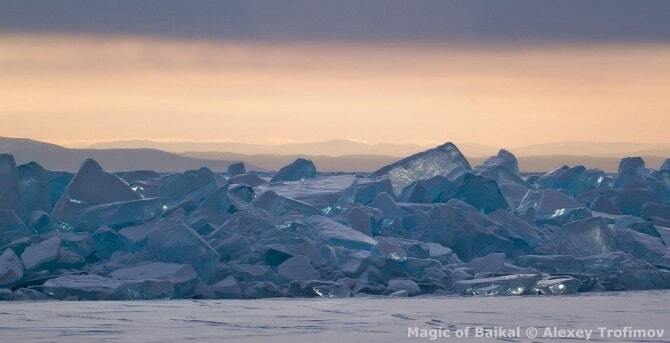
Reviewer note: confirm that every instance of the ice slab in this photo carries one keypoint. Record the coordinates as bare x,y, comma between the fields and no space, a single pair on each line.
490,263
585,237
182,276
34,187
666,165
11,269
409,286
552,202
300,169
261,289
574,181
247,179
504,159
632,171
445,160
91,186
517,284
637,224
479,191
117,215
236,168
39,255
95,287
640,245
192,185
558,285
227,288
244,193
10,195
356,263
434,189
620,201
387,205
274,256
298,268
108,241
363,191
170,240
278,205
657,213
11,224
513,187
467,231
364,219
336,234
552,263
323,289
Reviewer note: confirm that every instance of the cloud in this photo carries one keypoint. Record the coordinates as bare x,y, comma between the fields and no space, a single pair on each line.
510,21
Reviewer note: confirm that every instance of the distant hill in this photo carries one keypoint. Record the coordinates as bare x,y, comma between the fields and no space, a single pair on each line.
60,158
325,148
56,157
340,147
349,147
615,149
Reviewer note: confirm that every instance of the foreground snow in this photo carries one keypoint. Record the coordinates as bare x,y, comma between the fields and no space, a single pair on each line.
328,320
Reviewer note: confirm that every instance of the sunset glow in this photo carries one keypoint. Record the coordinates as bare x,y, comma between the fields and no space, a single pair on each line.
86,88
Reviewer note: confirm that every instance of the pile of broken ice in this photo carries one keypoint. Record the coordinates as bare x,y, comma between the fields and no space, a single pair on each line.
427,224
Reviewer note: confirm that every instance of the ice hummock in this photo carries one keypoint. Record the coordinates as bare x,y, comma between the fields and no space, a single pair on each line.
10,195
299,169
450,230
445,160
236,168
503,159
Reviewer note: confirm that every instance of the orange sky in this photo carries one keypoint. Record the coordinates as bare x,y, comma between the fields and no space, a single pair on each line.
69,89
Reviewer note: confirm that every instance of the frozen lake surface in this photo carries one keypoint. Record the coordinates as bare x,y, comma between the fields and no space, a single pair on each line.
329,320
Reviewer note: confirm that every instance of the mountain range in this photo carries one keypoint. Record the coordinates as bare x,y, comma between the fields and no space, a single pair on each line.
343,147
329,156
337,147
55,157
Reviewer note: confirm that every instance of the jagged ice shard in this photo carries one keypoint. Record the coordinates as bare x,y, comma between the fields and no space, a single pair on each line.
445,160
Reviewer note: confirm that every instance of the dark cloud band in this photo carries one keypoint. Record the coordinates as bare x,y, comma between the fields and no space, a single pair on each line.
372,20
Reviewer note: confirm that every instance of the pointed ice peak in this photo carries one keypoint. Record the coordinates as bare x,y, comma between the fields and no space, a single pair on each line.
505,153
92,186
298,170
505,159
632,174
7,160
384,202
236,168
10,195
445,160
553,200
629,164
32,167
446,147
666,165
89,166
34,187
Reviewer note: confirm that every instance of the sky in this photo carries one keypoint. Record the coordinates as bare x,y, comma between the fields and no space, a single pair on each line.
500,73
